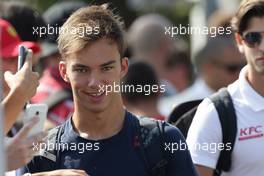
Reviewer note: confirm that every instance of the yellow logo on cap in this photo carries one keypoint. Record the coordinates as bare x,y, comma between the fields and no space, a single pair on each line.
12,31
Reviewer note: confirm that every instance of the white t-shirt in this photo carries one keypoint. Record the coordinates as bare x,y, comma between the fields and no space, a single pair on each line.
205,131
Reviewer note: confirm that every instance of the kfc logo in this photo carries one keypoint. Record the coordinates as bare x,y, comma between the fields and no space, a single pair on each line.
250,132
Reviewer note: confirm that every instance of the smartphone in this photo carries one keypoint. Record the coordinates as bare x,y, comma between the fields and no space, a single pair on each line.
22,56
33,111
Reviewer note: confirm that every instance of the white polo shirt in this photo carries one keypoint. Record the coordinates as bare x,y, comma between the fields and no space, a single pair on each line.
205,130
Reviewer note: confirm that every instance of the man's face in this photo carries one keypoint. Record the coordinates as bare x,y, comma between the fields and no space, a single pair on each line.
254,54
226,67
92,68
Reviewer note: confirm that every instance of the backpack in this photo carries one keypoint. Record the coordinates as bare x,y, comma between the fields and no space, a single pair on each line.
148,139
227,116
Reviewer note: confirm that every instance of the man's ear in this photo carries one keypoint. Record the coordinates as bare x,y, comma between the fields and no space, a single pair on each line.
124,66
63,71
239,42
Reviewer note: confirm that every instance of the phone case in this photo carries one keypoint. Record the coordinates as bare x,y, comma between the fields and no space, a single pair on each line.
36,110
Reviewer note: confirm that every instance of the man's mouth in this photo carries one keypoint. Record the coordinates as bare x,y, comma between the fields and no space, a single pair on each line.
97,94
260,58
95,97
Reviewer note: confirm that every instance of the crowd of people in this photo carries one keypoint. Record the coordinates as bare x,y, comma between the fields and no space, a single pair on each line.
90,130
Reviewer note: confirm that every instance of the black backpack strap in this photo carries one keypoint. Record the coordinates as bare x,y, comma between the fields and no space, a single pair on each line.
181,109
183,114
227,116
50,151
184,122
57,97
150,134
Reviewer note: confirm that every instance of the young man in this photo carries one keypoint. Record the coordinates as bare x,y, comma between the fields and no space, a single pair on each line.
93,60
247,94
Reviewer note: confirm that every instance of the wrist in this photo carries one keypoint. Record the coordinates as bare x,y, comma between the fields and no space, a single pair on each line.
18,93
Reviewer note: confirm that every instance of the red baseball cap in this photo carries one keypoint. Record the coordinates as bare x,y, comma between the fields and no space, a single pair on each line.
10,41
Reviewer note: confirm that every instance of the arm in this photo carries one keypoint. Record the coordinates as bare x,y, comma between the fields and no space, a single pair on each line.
61,172
204,135
204,171
13,104
22,86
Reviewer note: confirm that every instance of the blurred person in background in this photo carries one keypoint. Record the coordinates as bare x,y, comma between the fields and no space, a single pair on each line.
178,69
26,21
9,54
218,64
18,88
53,90
142,103
220,48
148,42
10,43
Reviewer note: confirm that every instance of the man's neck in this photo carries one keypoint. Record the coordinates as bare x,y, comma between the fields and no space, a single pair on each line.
256,80
96,126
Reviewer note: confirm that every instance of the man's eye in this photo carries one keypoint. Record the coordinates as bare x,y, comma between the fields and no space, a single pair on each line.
106,68
80,70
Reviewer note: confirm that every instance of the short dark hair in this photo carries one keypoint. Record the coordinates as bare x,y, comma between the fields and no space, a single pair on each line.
23,18
139,74
110,26
247,10
208,53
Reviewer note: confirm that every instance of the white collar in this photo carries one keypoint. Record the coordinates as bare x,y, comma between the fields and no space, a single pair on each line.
252,98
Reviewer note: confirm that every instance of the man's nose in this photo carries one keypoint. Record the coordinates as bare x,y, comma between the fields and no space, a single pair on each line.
94,81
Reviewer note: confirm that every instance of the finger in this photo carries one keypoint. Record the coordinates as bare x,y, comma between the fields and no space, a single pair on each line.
27,127
29,60
30,156
72,172
38,138
7,75
81,172
36,74
75,171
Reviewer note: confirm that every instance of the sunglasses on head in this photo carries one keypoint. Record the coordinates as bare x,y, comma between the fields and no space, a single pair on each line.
253,39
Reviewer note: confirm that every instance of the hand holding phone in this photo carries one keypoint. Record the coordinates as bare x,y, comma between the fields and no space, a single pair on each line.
31,110
24,82
19,87
35,110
